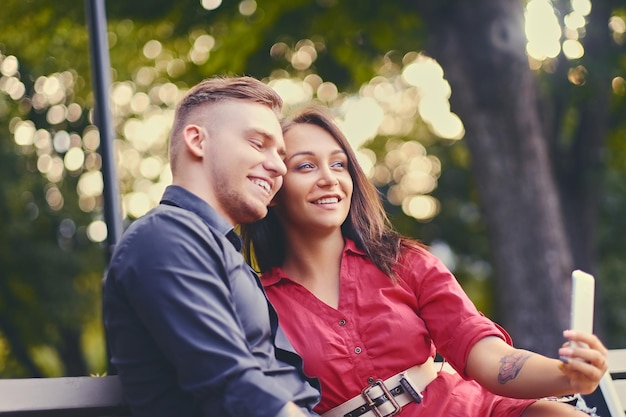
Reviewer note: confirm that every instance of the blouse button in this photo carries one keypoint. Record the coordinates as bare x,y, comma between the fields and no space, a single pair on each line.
370,380
357,350
342,322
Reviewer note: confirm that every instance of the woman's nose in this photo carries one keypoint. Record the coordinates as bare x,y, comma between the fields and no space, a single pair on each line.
327,179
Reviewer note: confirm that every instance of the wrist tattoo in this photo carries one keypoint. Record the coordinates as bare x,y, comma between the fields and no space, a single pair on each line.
510,365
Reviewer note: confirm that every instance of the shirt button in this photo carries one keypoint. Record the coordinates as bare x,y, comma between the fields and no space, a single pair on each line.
357,350
370,380
342,322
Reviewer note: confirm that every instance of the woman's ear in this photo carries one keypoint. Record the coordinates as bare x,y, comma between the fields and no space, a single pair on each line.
195,138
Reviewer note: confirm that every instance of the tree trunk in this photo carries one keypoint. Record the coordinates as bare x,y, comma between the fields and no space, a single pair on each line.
578,166
481,47
19,350
71,352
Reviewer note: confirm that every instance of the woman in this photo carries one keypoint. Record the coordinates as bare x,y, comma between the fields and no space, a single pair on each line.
368,308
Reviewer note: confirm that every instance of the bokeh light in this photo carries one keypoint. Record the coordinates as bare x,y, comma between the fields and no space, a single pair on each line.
293,92
546,38
362,118
90,184
152,49
211,4
619,86
24,134
421,207
617,25
9,66
247,7
74,159
583,7
542,30
573,49
97,231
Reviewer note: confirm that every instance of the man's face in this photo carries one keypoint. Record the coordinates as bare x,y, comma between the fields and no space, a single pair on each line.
243,159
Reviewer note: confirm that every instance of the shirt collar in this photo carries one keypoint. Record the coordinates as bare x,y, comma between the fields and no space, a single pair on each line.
351,246
178,196
276,274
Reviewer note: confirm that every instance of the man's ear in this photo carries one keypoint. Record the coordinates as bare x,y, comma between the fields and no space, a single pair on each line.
195,138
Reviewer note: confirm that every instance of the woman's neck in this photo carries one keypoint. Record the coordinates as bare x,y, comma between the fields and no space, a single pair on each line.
315,263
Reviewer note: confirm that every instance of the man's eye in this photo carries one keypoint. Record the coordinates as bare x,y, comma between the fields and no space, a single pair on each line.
256,143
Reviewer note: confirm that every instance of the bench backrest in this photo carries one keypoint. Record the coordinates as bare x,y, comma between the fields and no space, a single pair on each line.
613,385
69,397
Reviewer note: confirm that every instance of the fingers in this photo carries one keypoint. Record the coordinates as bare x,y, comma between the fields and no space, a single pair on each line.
584,360
583,377
588,340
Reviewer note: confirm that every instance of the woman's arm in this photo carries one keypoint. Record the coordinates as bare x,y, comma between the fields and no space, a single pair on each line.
518,373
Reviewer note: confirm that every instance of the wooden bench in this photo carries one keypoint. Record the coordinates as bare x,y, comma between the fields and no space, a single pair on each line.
102,396
610,397
84,396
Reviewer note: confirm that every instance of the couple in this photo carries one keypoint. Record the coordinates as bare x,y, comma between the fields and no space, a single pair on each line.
192,333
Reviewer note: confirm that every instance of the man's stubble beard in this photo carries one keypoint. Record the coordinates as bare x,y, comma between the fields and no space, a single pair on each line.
239,204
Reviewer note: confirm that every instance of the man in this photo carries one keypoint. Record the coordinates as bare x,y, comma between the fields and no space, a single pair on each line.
190,330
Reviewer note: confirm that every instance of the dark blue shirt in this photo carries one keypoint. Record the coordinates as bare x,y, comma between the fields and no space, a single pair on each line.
190,330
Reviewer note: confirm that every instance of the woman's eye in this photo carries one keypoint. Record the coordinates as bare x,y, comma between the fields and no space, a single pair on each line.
339,164
305,165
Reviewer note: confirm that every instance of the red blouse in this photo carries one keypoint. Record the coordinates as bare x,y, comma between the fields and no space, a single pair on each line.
381,329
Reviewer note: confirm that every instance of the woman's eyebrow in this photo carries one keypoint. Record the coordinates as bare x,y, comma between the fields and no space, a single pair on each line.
297,154
310,153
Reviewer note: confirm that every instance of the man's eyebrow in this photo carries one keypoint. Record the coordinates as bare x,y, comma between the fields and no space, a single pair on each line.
259,131
268,137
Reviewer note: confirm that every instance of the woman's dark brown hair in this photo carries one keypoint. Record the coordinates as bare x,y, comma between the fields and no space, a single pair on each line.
367,223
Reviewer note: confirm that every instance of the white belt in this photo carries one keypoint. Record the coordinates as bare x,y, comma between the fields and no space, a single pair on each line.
386,398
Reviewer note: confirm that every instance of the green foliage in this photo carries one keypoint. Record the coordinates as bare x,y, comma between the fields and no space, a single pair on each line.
50,270
50,284
612,239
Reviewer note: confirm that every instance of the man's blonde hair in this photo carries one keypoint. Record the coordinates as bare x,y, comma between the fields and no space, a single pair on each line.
216,89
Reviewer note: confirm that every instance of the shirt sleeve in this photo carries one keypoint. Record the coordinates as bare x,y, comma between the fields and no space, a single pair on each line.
454,324
172,272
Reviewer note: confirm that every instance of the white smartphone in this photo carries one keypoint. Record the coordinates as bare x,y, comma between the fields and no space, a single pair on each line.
581,310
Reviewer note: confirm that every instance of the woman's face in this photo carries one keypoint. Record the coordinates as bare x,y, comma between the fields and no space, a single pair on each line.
317,188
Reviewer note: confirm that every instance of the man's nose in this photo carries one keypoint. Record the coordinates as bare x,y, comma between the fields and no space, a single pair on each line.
275,163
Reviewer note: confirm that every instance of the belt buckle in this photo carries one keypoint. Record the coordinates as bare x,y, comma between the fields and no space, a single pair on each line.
386,393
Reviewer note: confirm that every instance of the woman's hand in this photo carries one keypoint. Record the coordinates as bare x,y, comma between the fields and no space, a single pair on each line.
584,362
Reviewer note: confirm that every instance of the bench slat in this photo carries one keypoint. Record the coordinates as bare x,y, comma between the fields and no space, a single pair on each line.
613,384
620,389
87,396
617,361
100,396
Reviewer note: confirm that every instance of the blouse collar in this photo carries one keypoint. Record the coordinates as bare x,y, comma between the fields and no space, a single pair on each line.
276,274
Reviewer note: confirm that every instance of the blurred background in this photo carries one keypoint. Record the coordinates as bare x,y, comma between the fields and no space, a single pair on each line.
494,129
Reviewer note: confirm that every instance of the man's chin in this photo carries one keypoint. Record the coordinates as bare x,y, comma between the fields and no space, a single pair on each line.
253,214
